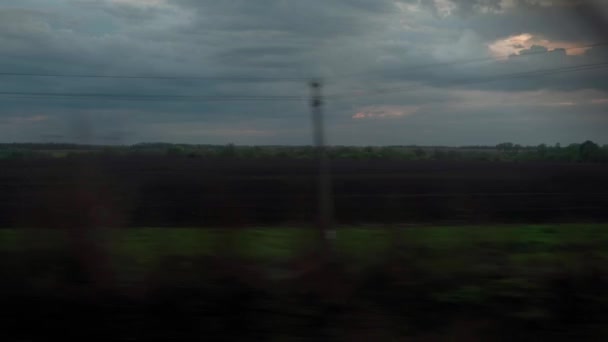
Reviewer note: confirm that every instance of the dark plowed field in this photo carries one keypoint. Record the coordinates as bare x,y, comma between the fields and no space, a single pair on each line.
168,191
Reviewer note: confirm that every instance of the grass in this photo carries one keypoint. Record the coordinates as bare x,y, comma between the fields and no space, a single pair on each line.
440,250
514,273
277,242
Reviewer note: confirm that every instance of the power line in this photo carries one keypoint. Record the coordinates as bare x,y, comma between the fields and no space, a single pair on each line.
159,100
222,98
533,73
295,79
146,98
219,98
486,59
149,77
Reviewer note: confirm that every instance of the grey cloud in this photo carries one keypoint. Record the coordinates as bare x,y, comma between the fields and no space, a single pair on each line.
468,7
311,20
122,10
452,124
555,19
272,56
358,45
555,23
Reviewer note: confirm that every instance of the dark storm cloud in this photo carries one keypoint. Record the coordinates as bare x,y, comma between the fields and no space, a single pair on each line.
534,68
359,46
271,56
122,10
314,18
555,22
493,19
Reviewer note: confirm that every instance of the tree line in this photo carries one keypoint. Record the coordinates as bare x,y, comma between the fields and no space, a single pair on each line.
587,151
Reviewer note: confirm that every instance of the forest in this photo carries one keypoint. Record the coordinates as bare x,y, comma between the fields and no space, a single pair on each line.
587,151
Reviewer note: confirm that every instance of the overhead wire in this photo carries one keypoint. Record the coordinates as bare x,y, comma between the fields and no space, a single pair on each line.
268,78
220,98
495,78
147,97
239,98
152,77
486,59
209,98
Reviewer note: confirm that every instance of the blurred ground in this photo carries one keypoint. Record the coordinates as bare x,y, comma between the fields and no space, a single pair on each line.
378,283
160,191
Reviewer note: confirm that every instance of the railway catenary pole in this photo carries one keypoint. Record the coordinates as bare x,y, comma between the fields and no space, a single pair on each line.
324,188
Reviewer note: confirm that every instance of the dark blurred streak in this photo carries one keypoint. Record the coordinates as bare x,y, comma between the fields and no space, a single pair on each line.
81,130
593,13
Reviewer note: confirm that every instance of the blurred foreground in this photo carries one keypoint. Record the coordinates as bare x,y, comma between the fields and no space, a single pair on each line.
412,283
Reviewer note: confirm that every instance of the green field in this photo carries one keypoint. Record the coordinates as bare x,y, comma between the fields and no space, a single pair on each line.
351,242
435,249
512,281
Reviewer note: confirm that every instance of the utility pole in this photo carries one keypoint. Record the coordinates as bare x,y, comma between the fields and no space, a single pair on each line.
324,191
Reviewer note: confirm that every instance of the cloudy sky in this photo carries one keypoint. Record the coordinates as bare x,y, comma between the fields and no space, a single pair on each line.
429,72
